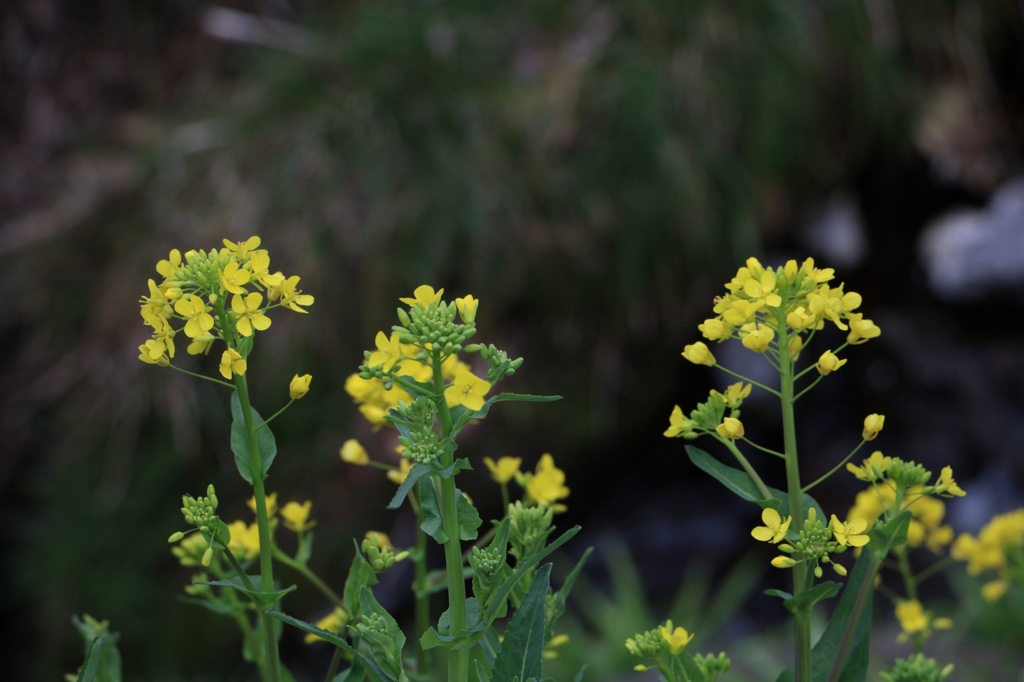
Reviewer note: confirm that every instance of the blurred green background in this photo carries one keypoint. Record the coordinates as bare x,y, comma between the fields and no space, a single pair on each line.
592,171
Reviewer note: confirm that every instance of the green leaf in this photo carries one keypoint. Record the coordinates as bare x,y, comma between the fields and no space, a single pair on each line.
522,649
739,482
387,646
562,595
892,533
807,598
91,666
360,575
481,671
375,672
417,472
261,598
851,621
468,517
265,442
444,638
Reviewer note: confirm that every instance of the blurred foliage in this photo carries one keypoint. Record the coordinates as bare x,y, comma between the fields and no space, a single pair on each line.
589,170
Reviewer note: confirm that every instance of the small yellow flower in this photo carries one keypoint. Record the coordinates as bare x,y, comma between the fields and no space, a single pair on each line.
353,452
677,638
850,534
735,394
912,616
295,516
504,470
679,425
993,591
756,337
335,622
547,484
774,528
730,428
467,306
398,476
299,386
946,485
389,352
249,313
288,295
714,329
423,296
873,423
699,354
861,330
467,390
197,313
231,363
783,562
233,278
874,467
242,250
245,539
828,363
271,504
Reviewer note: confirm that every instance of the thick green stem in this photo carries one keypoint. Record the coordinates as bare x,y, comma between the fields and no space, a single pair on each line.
458,659
795,491
422,595
272,662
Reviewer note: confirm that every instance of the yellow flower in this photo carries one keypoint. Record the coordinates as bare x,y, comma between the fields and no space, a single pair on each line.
677,638
873,423
379,539
299,386
295,516
504,470
335,622
242,249
389,351
170,267
774,528
874,467
946,485
231,363
850,534
271,504
398,476
467,306
259,264
861,330
699,354
423,296
679,425
245,539
783,562
993,591
756,336
828,363
354,453
912,616
467,390
714,329
730,428
735,394
232,278
153,352
288,295
196,313
547,484
249,313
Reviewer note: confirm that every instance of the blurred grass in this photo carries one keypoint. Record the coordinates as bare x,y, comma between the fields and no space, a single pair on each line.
590,170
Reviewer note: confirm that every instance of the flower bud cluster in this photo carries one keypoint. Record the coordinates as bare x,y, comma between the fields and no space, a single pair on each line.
422,444
814,544
529,528
486,561
713,666
200,512
379,551
710,415
917,668
433,326
372,623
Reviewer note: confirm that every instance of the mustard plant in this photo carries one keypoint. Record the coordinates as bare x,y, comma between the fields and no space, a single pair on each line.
777,314
220,299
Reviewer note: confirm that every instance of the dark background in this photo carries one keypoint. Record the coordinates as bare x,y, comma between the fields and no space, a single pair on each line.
592,171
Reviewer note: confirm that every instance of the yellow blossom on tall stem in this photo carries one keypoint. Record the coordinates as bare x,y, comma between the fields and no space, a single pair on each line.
354,453
730,428
699,354
295,516
677,638
547,484
467,390
774,528
232,363
873,424
505,469
299,386
250,315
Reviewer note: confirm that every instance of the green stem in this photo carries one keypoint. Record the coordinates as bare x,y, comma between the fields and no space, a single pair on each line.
422,607
263,523
758,483
795,491
458,659
836,467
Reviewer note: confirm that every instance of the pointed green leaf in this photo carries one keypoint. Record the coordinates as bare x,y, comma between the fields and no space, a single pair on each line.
261,598
375,672
522,649
846,641
360,575
740,483
265,442
417,472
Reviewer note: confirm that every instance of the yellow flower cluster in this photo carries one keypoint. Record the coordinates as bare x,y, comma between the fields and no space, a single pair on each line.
222,294
795,299
928,513
915,621
999,547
